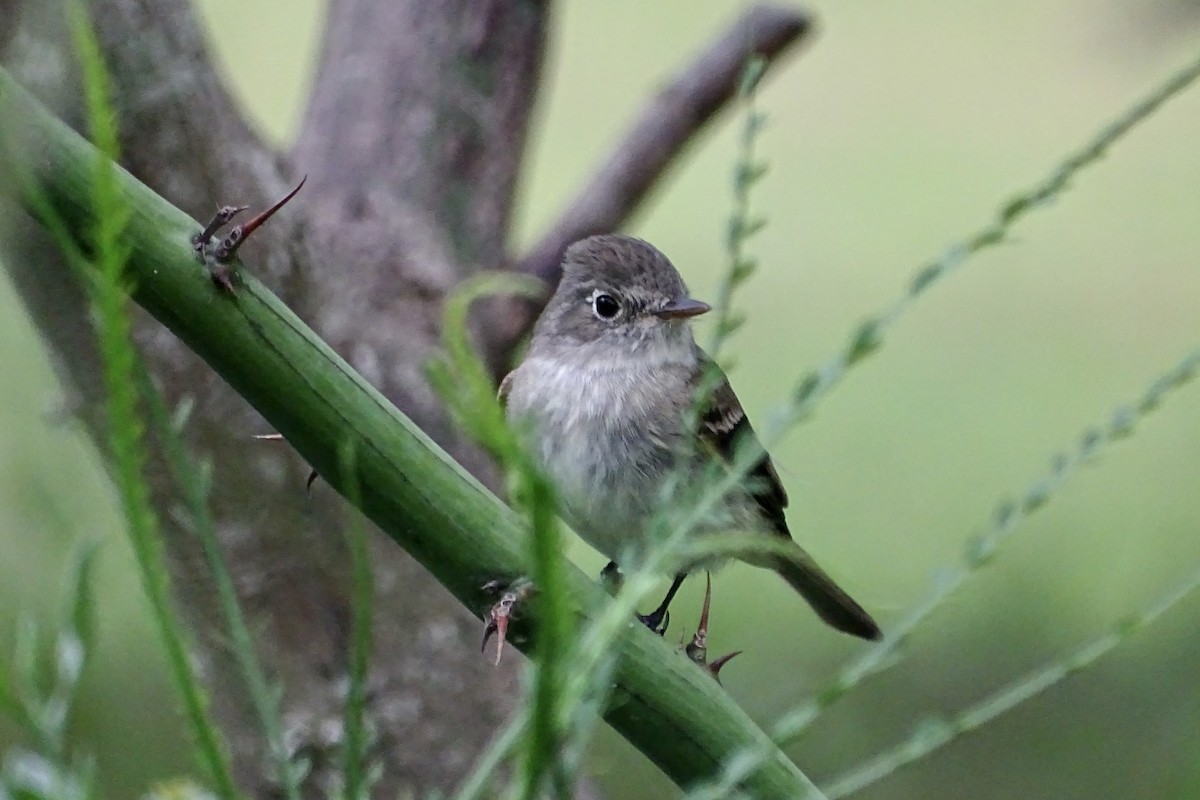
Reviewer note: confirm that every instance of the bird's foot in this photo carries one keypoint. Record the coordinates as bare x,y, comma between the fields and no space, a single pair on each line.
218,253
657,620
697,650
503,610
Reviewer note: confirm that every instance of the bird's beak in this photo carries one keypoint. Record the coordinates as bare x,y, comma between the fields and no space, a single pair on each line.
682,308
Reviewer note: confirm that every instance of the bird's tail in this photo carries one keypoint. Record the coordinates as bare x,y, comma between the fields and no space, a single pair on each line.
828,599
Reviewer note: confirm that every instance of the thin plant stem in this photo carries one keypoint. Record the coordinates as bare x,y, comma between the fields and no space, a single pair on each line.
194,485
868,337
743,224
125,433
980,550
932,735
355,773
483,775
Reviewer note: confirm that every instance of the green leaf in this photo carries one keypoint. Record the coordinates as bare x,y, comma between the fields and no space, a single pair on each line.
81,617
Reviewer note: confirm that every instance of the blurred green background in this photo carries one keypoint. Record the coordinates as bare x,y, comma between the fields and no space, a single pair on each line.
900,129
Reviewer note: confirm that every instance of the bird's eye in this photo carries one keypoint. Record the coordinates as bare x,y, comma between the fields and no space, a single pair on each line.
605,306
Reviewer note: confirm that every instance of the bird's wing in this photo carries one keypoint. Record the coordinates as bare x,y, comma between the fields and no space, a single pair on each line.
723,423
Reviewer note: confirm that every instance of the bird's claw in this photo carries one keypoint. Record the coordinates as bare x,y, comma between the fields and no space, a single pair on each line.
697,649
502,611
657,621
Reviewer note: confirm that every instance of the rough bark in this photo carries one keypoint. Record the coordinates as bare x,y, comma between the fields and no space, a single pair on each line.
413,140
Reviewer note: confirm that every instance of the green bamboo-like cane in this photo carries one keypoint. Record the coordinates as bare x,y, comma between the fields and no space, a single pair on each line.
670,710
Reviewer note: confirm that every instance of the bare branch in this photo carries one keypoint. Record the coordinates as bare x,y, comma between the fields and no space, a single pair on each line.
671,120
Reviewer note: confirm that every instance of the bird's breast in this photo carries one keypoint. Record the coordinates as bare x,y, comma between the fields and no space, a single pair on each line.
605,436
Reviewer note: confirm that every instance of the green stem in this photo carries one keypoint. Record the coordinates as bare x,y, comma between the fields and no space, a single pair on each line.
671,711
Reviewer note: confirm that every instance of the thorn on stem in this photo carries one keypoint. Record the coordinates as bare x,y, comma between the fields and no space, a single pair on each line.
222,218
715,667
697,650
228,247
499,615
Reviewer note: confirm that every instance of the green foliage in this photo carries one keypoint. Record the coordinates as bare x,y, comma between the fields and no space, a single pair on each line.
464,384
934,733
195,484
682,512
747,171
572,674
126,433
39,696
357,774
868,337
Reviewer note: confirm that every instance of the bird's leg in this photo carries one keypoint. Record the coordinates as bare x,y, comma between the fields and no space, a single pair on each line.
698,649
658,619
498,616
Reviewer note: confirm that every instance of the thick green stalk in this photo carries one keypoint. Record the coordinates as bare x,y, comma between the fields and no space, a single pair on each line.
670,710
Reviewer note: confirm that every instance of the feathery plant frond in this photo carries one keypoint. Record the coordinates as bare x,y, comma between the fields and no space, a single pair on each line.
979,551
588,674
39,696
194,482
747,171
126,435
357,773
868,337
672,525
866,340
933,734
463,382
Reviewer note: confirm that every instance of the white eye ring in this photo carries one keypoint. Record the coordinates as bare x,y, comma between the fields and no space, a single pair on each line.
605,306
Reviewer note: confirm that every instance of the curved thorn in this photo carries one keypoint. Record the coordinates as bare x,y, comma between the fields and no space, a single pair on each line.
715,667
703,626
251,226
237,237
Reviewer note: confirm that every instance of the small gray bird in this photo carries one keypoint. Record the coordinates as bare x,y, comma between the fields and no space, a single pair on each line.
603,394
